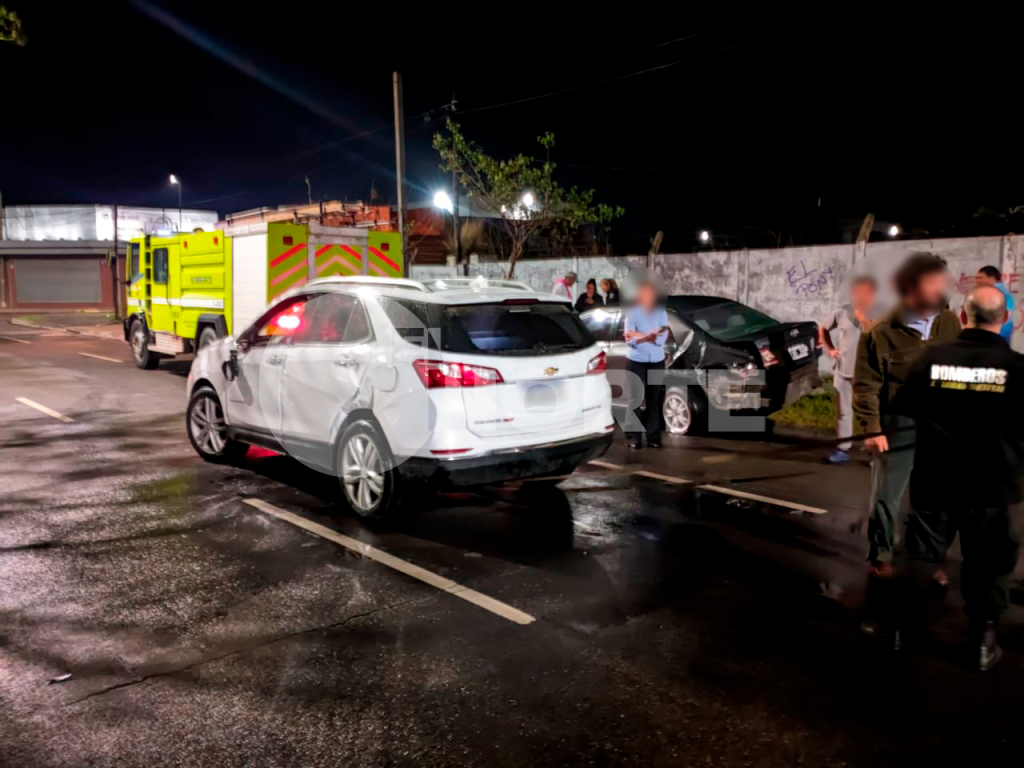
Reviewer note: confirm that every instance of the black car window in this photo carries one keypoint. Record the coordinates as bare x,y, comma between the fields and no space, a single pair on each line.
730,320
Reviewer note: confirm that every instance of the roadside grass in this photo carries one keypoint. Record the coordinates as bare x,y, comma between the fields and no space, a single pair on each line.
34,319
816,410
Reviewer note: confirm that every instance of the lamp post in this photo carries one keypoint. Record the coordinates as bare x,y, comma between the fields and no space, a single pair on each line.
176,183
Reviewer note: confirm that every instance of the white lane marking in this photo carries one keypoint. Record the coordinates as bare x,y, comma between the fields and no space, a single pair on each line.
766,499
666,478
100,357
716,489
421,574
44,409
11,338
605,464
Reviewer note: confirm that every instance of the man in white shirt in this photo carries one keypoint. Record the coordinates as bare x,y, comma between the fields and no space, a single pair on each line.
564,287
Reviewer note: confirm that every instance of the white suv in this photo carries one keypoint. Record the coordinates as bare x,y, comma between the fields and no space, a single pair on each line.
383,382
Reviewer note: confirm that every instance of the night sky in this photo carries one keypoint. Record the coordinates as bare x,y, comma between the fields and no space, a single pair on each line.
730,122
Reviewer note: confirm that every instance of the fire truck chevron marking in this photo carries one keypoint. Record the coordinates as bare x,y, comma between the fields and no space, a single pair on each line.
384,258
287,254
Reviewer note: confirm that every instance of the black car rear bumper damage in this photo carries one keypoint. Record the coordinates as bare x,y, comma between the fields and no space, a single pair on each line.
508,464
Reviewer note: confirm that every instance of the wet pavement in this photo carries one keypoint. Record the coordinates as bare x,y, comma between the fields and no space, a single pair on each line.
674,624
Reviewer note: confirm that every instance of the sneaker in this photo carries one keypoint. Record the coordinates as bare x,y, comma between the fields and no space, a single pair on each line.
838,457
985,646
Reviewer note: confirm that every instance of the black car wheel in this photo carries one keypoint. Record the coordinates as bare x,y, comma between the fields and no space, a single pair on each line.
682,413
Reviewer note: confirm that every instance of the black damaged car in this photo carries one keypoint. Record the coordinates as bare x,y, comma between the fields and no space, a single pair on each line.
721,355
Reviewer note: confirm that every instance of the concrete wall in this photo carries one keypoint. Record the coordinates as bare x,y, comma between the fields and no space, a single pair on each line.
787,283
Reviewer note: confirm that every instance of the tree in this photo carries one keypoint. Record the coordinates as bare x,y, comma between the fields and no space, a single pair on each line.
10,27
521,191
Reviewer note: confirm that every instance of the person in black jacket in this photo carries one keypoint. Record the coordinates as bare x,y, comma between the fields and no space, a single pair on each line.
967,400
590,299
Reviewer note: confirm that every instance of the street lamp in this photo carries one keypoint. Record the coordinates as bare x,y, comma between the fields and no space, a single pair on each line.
443,201
894,230
704,236
175,183
527,200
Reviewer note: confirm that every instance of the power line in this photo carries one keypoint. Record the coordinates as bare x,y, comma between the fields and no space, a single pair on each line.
602,82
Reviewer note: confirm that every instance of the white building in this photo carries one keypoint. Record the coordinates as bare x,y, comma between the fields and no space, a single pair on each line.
56,257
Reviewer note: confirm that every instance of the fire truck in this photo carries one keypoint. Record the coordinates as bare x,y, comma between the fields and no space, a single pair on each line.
188,289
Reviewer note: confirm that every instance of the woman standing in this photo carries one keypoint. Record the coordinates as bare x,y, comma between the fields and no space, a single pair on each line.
611,292
590,299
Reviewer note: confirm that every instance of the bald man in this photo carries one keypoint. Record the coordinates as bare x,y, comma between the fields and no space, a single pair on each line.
967,400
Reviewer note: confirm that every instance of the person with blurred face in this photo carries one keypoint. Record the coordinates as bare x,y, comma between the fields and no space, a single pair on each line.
590,299
611,292
645,334
966,398
847,322
563,287
885,355
991,276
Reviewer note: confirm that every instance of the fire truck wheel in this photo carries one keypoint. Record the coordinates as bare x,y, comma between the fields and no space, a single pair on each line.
208,430
140,348
208,336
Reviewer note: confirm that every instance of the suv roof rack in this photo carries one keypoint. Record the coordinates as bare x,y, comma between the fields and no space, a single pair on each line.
481,282
371,281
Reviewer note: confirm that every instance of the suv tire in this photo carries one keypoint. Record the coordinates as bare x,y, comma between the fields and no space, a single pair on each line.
207,428
366,470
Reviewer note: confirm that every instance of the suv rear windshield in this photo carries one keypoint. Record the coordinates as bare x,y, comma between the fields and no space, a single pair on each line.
730,320
490,329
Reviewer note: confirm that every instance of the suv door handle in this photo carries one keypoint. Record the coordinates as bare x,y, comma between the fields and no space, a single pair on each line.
346,363
275,360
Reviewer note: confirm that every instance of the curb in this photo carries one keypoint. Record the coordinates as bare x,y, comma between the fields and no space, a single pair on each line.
79,331
27,324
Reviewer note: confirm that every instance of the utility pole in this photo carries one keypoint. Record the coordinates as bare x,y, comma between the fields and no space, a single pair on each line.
400,168
118,295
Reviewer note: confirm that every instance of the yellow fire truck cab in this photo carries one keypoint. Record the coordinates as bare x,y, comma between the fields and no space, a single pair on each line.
186,290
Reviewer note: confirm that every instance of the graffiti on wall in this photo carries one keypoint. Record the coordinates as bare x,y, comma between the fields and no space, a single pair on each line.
806,281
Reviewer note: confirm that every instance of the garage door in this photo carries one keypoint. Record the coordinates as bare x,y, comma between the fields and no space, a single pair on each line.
57,281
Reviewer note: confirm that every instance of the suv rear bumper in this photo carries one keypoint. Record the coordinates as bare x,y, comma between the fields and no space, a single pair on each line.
508,463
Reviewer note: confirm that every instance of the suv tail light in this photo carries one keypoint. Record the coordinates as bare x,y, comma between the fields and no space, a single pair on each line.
438,373
597,364
768,357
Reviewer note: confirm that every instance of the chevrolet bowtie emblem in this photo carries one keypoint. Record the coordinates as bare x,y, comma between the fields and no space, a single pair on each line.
550,371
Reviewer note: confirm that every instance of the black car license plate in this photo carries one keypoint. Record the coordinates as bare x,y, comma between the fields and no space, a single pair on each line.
799,351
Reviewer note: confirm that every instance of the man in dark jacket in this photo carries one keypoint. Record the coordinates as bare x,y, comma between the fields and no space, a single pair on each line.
884,356
967,399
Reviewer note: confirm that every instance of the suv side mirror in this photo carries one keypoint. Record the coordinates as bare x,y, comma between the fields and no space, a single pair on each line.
230,367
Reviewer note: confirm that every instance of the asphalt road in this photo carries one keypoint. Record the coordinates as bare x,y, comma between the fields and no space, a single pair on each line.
668,623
